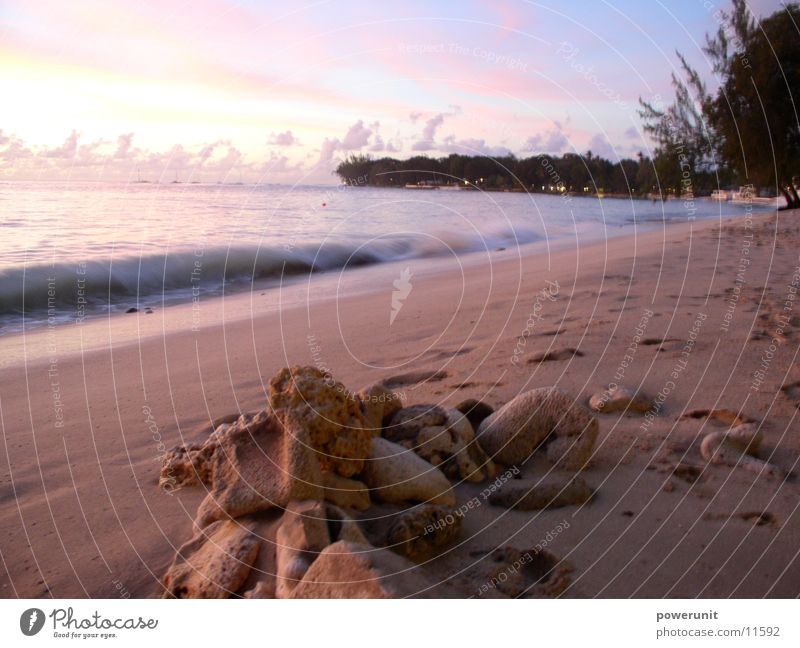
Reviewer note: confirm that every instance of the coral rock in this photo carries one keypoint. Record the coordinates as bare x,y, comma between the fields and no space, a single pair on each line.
737,447
302,535
378,404
475,411
514,431
350,570
618,399
396,474
347,493
255,466
214,563
304,398
420,533
407,422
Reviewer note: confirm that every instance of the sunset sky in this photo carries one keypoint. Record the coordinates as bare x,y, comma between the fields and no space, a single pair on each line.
277,91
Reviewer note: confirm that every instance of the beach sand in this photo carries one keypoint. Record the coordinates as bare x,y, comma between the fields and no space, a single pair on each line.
87,411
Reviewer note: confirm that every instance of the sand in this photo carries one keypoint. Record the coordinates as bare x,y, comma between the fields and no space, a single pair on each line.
87,410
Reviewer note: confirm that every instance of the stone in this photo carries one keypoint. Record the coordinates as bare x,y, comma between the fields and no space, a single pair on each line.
302,535
422,532
214,563
306,399
619,399
255,466
549,414
378,405
737,447
396,474
475,411
453,449
342,527
549,493
350,570
344,492
407,422
185,465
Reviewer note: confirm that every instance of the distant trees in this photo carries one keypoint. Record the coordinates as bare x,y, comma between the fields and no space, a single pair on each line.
549,173
748,129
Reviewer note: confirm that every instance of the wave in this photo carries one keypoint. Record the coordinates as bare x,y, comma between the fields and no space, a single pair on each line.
61,288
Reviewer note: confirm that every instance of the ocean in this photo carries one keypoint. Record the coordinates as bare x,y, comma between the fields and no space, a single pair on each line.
72,250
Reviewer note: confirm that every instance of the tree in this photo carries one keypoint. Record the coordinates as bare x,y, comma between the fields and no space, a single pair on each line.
749,127
685,143
755,110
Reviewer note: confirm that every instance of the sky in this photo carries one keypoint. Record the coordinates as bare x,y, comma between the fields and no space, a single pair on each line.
215,90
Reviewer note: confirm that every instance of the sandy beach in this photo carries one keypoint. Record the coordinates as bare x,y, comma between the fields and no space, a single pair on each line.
698,316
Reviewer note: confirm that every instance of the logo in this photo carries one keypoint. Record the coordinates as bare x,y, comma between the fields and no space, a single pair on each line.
31,621
402,289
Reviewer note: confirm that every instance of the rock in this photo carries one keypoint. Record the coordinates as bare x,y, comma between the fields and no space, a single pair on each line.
350,570
514,431
550,493
347,493
302,535
453,449
342,527
255,466
214,563
407,422
132,309
421,532
304,398
475,411
186,465
536,573
617,399
395,474
737,447
260,591
378,405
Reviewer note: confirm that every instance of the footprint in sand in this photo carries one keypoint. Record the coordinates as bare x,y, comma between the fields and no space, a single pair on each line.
555,356
792,392
535,573
443,354
413,378
758,518
663,344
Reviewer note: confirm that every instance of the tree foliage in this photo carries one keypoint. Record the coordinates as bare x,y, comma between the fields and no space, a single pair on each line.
747,130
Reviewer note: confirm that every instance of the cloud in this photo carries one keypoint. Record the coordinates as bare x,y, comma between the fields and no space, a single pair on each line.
67,150
357,137
600,146
552,141
327,149
119,160
124,144
285,138
427,140
632,133
472,146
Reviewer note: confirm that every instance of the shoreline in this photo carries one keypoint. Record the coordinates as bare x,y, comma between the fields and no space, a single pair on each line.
84,479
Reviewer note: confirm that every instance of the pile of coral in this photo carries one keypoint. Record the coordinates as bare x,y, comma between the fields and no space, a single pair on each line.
297,494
